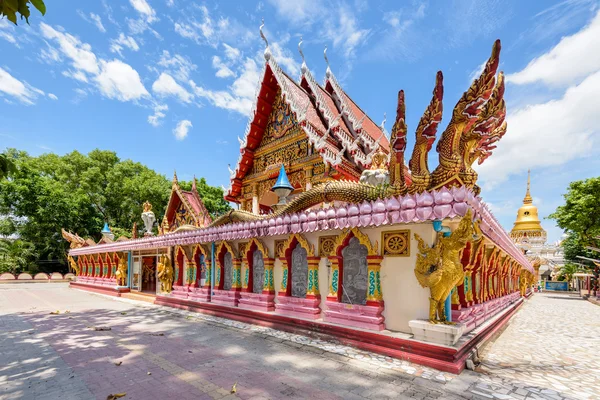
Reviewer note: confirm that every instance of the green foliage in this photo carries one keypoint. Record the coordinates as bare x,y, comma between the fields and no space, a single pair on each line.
79,192
10,9
211,196
568,270
581,212
574,246
6,166
16,255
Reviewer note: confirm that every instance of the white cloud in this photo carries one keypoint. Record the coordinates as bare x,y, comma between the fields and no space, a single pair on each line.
114,79
232,53
116,45
182,129
98,21
298,11
240,96
52,96
80,53
165,85
547,134
177,65
570,61
346,34
77,75
50,55
159,113
205,30
23,92
7,32
223,71
120,81
142,7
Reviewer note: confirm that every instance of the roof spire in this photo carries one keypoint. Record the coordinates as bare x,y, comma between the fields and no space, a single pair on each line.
194,185
175,181
267,53
528,199
304,67
382,126
328,71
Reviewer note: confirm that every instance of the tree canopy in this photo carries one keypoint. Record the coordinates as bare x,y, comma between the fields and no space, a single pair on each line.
79,192
580,218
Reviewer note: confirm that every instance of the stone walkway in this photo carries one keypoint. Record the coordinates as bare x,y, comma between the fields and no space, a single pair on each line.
551,349
168,353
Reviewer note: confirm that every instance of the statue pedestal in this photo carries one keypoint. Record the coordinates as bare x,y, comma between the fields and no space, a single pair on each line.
446,335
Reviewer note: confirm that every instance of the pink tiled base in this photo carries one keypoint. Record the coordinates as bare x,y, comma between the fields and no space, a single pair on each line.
199,294
257,301
226,297
476,315
181,292
298,307
366,317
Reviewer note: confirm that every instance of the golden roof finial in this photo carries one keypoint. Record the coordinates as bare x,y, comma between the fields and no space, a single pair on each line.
175,180
528,199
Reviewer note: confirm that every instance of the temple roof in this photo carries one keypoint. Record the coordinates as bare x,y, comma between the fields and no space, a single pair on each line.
339,143
192,201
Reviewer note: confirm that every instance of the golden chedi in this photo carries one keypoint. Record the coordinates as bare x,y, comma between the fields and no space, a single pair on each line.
527,228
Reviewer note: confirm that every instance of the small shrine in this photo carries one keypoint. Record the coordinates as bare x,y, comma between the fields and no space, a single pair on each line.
339,229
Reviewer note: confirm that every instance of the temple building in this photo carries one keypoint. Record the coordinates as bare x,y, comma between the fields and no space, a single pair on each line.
528,234
338,230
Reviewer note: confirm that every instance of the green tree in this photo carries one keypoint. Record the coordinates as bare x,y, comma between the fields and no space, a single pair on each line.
568,270
581,212
10,9
6,166
574,246
16,255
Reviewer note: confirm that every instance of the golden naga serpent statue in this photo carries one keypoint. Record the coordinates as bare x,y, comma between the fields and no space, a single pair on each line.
439,267
477,124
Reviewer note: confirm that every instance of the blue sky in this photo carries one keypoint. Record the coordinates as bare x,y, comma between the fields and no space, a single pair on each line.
170,83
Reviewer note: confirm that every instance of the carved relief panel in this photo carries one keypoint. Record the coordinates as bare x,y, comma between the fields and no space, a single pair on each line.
228,271
355,273
299,271
258,271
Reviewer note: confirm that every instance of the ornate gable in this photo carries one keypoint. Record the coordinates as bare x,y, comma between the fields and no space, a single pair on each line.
185,208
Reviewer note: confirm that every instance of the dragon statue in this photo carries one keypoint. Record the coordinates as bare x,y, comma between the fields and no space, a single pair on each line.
76,241
477,122
398,146
425,136
439,267
165,274
121,272
73,265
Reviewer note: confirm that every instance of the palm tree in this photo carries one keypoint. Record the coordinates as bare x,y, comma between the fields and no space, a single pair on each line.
15,255
568,270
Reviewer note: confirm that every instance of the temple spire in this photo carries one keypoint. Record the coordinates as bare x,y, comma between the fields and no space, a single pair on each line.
267,53
528,199
194,185
175,180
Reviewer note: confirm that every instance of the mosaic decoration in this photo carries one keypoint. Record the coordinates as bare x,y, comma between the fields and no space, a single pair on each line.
292,151
355,269
326,245
284,280
182,217
258,271
281,120
395,243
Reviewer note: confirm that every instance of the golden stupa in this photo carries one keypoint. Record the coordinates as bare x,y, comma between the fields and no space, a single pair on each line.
528,226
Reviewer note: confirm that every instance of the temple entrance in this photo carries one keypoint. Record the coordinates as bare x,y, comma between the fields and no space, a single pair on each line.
148,275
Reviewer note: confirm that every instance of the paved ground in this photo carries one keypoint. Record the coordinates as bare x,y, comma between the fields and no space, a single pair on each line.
551,344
